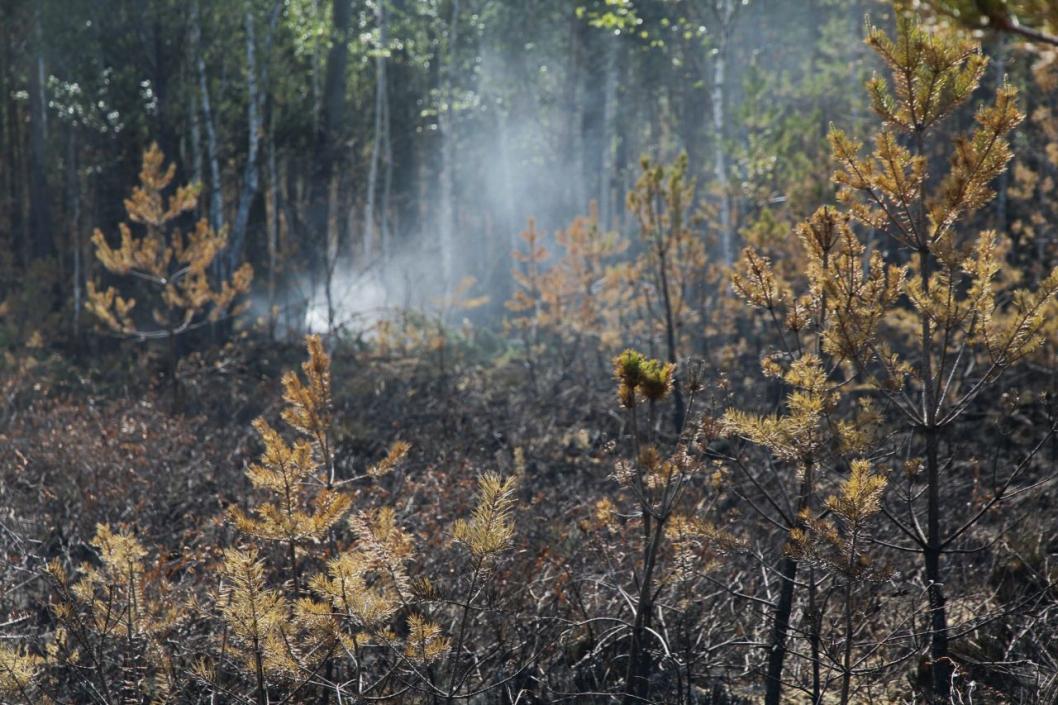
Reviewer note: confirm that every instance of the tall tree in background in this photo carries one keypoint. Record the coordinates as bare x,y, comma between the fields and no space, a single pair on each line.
257,87
559,103
40,244
216,202
724,11
380,147
329,148
446,120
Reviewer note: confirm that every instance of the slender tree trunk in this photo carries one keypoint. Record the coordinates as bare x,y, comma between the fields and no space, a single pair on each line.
351,228
385,235
7,137
329,145
814,641
258,658
591,107
317,102
195,137
174,383
331,250
41,244
941,666
14,171
780,628
155,32
255,128
447,215
572,137
508,216
637,675
216,204
784,607
609,124
846,652
727,237
679,410
272,214
73,214
376,146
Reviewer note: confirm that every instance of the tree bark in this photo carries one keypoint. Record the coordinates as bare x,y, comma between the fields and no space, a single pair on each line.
41,244
637,675
573,142
385,234
195,137
780,628
941,665
216,204
272,215
446,220
73,214
609,120
784,606
726,12
379,133
255,128
329,144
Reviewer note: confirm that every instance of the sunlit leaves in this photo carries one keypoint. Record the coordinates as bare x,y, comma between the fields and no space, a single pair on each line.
614,15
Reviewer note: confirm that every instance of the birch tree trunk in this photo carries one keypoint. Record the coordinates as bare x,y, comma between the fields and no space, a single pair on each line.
253,126
387,181
272,210
376,147
315,74
508,215
216,203
726,14
606,185
195,137
254,109
331,249
73,213
39,219
447,215
329,145
572,138
8,133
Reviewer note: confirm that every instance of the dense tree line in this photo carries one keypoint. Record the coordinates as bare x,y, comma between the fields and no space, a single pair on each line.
335,137
469,351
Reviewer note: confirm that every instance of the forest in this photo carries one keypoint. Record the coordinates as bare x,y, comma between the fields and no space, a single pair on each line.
527,352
